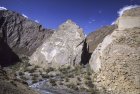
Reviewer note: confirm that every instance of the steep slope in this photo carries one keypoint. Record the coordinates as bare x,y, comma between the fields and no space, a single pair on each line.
10,85
94,38
63,48
116,61
20,35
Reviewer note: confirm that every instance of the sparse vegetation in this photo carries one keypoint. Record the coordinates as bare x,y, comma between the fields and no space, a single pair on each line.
53,82
89,84
21,73
45,76
72,86
50,69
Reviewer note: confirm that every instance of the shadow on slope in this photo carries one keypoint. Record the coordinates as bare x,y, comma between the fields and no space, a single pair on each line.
7,56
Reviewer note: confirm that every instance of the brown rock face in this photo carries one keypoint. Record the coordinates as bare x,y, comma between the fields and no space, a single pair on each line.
133,12
19,35
116,61
94,38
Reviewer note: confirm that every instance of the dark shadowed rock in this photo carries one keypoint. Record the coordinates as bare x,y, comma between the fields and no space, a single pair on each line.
19,36
94,38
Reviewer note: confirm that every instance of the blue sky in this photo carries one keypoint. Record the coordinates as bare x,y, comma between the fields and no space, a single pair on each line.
88,14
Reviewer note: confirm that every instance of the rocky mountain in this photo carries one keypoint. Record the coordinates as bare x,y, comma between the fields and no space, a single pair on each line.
62,49
55,57
96,37
19,36
116,61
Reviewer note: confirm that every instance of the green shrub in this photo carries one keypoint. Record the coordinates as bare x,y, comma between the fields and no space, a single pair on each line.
78,78
50,69
72,86
87,77
45,76
53,82
89,84
34,81
24,78
21,73
67,79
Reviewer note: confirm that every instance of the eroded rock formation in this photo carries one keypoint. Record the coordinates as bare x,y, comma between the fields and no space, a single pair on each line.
63,48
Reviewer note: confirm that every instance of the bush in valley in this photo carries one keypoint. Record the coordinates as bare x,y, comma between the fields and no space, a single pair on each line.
21,73
78,78
89,84
60,83
34,81
45,76
24,78
34,75
72,86
50,69
66,79
53,82
70,75
87,77
30,70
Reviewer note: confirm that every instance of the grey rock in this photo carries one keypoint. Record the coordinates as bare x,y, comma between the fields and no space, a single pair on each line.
63,48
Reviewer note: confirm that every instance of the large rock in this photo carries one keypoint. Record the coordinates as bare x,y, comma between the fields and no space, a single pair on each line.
116,61
63,48
129,19
19,35
96,37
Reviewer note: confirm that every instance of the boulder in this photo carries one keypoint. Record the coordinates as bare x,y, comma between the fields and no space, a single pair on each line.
62,49
129,19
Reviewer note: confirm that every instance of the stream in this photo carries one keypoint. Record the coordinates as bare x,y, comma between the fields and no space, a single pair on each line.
38,87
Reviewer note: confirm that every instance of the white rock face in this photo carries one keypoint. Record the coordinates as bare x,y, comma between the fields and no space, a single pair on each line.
129,19
128,22
63,48
116,61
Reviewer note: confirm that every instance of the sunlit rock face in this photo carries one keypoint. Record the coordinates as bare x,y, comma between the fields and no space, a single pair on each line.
63,48
116,61
130,19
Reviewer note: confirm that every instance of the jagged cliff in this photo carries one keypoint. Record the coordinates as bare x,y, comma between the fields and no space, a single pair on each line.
19,36
63,48
116,61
